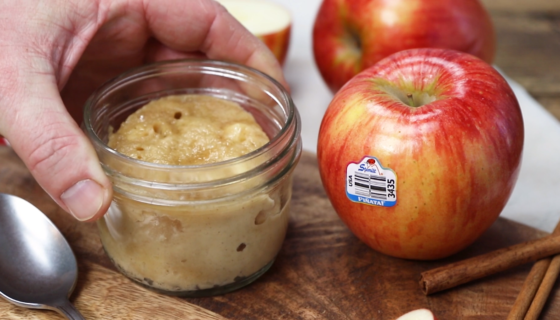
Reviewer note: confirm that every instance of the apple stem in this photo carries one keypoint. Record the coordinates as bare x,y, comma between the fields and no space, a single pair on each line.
411,100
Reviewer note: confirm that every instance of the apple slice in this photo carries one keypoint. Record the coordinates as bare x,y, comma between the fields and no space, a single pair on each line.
419,314
269,21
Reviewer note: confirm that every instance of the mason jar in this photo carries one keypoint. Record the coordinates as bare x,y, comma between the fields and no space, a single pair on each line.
196,230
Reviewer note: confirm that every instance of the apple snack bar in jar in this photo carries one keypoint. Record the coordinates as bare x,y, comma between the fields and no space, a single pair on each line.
193,215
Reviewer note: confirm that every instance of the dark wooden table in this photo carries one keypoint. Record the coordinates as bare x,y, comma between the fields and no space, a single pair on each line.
528,33
323,271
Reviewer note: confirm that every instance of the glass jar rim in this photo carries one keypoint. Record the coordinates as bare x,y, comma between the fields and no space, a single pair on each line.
147,70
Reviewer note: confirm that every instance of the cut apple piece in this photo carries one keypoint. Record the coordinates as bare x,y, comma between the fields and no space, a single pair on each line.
419,314
4,141
267,20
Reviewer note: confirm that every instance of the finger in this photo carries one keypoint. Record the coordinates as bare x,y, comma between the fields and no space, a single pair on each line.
197,25
156,51
53,147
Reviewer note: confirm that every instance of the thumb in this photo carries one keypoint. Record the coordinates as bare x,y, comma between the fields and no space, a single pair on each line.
54,148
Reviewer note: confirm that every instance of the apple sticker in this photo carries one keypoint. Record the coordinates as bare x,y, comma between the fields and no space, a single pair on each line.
370,183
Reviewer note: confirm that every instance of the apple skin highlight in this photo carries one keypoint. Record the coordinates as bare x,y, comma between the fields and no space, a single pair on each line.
418,314
352,35
456,158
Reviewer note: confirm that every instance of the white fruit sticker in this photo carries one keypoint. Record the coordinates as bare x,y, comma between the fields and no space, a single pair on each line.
370,183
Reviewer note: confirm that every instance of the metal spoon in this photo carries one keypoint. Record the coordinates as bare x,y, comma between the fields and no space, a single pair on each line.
37,266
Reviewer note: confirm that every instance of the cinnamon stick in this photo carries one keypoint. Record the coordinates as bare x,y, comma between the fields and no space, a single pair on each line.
528,290
530,287
544,289
461,272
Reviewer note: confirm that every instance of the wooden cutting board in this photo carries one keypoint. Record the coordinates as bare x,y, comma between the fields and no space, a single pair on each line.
322,272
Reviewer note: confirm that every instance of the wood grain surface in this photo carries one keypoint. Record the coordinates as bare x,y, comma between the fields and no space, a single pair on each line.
101,292
322,271
528,46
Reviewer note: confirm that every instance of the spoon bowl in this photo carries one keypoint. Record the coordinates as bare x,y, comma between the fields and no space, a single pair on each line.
37,266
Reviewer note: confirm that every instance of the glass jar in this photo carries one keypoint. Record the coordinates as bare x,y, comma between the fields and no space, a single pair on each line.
204,229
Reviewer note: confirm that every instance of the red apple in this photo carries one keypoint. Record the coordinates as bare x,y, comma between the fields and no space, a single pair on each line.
419,314
419,153
267,20
352,35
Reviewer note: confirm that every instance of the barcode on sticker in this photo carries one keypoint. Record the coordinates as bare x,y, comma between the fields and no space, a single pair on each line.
371,186
370,183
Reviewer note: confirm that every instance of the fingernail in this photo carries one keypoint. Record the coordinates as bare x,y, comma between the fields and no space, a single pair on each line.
84,199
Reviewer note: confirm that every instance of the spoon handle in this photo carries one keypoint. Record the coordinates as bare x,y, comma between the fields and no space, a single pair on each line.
69,311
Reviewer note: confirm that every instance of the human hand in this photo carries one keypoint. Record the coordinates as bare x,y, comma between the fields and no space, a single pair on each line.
56,52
